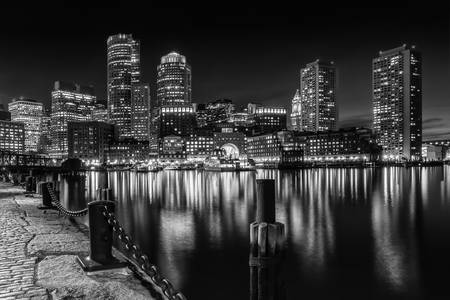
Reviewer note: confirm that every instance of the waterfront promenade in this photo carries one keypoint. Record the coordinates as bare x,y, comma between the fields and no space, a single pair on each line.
38,256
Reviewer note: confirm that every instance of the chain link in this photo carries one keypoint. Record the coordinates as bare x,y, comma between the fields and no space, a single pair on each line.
62,209
142,259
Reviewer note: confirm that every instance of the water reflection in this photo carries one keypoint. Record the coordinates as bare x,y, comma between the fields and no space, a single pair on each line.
351,233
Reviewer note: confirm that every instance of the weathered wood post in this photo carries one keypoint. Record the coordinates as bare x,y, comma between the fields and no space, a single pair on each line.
267,245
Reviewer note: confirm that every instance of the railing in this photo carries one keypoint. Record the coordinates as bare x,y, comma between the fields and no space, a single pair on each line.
98,240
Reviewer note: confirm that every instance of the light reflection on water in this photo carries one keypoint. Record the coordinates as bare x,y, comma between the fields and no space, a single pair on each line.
352,233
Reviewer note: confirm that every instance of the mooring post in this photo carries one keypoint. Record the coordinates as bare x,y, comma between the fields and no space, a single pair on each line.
28,184
73,189
46,198
267,245
101,239
103,191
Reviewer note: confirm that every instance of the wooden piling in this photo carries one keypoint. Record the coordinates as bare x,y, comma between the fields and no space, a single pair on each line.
267,245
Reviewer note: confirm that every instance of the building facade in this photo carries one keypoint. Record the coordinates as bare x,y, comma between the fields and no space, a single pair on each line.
349,145
12,136
100,113
275,149
432,152
267,119
296,112
123,71
199,146
344,145
89,141
70,103
318,97
397,102
128,152
44,145
30,113
140,112
232,142
174,85
172,147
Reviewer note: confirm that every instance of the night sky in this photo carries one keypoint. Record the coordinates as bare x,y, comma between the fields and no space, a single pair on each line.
244,52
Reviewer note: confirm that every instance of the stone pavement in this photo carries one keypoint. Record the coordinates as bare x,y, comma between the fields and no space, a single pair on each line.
38,251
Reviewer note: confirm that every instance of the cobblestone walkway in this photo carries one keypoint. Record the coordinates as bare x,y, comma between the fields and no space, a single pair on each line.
37,256
17,268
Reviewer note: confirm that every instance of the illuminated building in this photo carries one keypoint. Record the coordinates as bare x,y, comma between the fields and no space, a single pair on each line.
296,112
349,145
100,113
44,145
200,145
140,111
176,120
70,103
201,115
218,111
29,112
318,97
440,142
397,103
128,151
12,136
172,147
228,138
342,144
89,141
123,70
275,149
174,114
173,81
267,119
432,152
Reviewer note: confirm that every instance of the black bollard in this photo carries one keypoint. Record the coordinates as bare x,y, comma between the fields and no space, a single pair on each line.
29,184
101,240
267,245
46,198
73,190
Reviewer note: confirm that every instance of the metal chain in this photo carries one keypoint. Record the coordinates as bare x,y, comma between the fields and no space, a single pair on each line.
142,259
62,209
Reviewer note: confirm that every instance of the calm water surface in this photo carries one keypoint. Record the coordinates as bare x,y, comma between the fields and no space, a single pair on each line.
351,233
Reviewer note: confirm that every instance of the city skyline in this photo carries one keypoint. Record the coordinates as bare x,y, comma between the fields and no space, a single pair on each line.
226,52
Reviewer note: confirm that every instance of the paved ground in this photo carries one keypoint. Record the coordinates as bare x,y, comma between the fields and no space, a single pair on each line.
37,256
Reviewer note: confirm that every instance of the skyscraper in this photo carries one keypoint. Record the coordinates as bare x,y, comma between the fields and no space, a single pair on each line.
70,103
397,102
12,136
140,111
174,114
296,113
174,80
30,113
318,96
123,70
